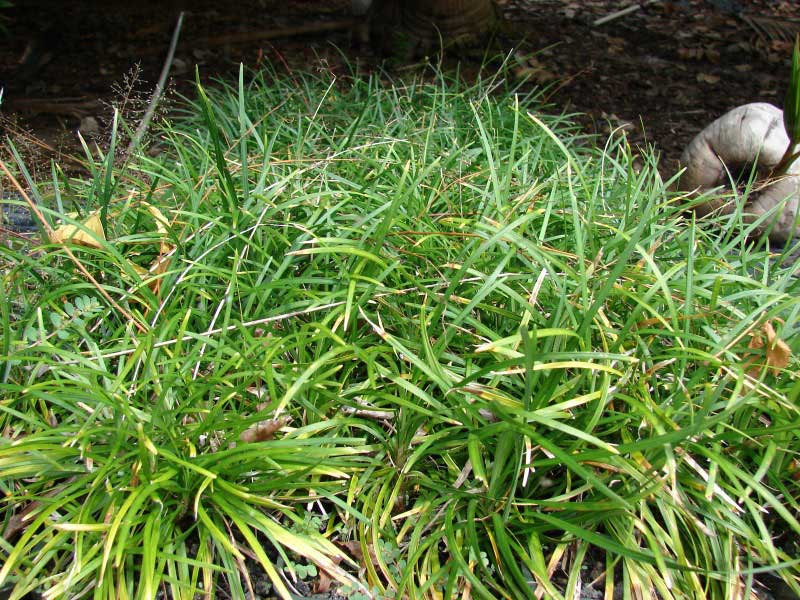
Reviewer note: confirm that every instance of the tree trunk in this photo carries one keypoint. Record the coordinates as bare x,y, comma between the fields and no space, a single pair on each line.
456,20
427,24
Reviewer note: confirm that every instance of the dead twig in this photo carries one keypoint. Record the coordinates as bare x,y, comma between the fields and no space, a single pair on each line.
621,13
151,108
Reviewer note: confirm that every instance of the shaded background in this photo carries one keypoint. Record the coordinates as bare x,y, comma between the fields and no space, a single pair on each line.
661,72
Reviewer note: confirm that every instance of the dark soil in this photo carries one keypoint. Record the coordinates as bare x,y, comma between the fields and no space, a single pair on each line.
662,72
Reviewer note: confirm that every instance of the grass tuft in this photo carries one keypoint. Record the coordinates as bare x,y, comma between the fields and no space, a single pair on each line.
423,339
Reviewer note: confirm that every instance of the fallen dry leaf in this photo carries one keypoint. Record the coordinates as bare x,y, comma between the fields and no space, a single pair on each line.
325,579
159,265
777,352
161,227
263,430
91,235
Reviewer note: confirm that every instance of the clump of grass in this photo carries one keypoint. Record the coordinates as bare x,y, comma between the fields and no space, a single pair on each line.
420,336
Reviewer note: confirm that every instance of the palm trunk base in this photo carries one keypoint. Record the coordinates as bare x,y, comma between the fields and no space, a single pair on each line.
408,26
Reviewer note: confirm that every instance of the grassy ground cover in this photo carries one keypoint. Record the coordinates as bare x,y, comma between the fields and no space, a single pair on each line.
415,340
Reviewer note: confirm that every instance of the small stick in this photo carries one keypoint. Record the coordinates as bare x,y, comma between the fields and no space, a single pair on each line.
621,13
151,108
